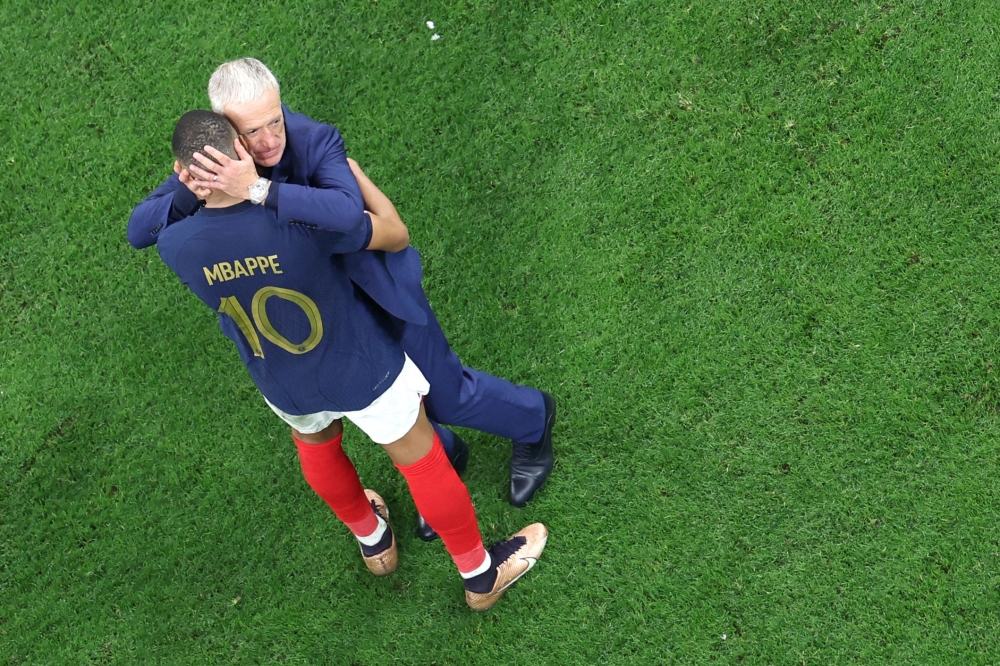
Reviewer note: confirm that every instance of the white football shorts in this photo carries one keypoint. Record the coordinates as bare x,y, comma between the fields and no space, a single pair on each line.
386,420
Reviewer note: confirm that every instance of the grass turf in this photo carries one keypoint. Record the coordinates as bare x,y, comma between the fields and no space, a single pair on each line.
747,245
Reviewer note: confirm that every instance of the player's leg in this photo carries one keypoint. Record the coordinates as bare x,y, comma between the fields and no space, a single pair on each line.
332,476
397,419
458,454
454,446
466,397
444,501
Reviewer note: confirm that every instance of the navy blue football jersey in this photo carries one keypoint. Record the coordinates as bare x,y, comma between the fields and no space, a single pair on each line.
309,339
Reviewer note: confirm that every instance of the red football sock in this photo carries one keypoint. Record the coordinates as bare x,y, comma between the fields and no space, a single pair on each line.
444,502
331,474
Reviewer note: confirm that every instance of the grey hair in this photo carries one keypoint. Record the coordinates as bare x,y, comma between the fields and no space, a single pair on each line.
238,82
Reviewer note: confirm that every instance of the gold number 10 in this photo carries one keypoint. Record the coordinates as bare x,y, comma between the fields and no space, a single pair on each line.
232,307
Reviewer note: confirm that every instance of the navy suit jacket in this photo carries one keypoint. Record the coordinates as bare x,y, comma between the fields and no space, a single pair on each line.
311,185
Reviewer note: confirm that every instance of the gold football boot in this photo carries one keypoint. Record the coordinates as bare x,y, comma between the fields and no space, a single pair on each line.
383,557
511,559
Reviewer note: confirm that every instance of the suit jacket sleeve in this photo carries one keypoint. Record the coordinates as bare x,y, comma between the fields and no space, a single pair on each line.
345,243
332,201
168,203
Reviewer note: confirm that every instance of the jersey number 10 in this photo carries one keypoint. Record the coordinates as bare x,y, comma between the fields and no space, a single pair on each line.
232,307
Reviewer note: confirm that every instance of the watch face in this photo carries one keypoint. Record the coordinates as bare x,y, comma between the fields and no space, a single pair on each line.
257,191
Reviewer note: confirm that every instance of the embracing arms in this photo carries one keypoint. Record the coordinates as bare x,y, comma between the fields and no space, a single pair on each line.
333,198
388,231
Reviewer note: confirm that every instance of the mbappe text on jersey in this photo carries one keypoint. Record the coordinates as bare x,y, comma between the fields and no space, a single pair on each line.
225,271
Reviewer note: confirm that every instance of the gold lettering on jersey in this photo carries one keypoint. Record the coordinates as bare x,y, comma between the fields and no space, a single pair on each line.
214,275
225,271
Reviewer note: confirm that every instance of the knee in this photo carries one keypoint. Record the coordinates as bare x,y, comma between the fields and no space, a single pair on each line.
321,437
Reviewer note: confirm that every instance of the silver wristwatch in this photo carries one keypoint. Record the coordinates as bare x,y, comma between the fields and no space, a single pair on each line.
258,190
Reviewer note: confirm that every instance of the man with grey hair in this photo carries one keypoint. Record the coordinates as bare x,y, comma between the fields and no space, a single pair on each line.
298,168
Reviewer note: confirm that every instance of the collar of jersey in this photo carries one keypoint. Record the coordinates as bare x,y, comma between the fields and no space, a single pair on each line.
241,207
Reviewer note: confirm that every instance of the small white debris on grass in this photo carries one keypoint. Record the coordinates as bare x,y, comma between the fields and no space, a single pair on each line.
430,25
723,637
435,37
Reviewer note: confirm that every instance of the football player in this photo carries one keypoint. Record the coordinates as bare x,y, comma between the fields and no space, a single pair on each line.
320,350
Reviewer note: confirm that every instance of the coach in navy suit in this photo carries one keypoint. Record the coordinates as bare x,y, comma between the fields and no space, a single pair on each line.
298,168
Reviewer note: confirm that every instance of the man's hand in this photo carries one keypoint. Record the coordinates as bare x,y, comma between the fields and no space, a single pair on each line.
231,176
191,182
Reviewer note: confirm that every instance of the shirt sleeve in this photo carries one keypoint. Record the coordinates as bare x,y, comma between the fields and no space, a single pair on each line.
169,203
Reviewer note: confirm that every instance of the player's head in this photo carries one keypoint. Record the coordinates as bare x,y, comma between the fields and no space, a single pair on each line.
247,93
197,129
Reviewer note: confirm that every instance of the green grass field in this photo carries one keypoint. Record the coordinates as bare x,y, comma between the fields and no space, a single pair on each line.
749,246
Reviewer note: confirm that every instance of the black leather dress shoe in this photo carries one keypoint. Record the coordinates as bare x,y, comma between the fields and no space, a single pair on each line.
459,457
530,464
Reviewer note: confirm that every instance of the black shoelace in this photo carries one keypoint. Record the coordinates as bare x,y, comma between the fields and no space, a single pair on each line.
524,452
500,552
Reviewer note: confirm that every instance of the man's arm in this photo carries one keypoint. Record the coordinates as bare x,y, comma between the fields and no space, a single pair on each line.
381,228
170,202
332,200
388,231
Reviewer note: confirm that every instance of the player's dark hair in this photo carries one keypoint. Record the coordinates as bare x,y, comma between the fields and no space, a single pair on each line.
197,129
